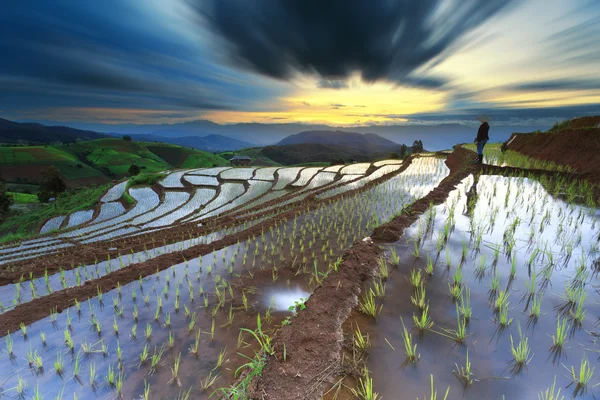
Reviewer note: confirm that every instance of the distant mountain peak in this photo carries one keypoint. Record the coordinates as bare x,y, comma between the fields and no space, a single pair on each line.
336,137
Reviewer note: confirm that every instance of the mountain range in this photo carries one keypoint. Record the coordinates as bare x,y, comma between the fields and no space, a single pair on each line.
434,137
218,137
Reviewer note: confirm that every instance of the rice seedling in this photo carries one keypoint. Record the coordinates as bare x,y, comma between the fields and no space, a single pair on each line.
92,375
560,338
501,300
464,374
503,319
423,322
146,394
148,331
465,305
365,390
536,306
379,288
581,378
144,355
263,339
455,291
23,328
395,257
457,278
419,298
221,357
383,268
460,333
76,367
579,314
520,352
68,339
208,381
429,267
433,395
59,365
368,304
481,267
156,358
175,371
416,253
415,279
9,344
361,342
494,284
410,349
196,345
551,393
110,377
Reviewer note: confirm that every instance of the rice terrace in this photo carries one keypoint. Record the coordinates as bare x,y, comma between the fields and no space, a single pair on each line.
308,282
300,200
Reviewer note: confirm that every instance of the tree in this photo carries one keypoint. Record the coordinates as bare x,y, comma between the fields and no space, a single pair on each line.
403,151
6,200
127,138
393,156
417,146
51,184
134,170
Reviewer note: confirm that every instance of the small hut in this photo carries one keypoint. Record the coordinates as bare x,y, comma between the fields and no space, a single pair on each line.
240,160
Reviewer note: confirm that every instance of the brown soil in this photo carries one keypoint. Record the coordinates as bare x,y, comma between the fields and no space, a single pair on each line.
313,340
577,145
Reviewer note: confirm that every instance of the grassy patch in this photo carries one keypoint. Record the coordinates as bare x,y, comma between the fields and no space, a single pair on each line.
493,155
23,226
143,180
23,198
30,156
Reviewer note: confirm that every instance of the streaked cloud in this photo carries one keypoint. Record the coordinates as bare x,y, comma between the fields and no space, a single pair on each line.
233,61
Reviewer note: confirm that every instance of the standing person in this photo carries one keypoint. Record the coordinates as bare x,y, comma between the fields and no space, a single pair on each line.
482,137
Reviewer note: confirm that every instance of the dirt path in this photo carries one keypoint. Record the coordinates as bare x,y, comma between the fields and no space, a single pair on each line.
313,341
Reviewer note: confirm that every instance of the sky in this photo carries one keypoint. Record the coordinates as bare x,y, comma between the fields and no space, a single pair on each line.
338,62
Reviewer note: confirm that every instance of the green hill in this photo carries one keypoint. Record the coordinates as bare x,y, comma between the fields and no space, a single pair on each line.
98,161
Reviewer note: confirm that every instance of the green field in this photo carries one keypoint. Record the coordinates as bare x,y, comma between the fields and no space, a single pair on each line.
68,164
99,160
117,155
23,198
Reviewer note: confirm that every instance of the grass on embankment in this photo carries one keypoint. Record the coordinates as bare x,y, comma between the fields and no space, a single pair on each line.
19,226
24,198
493,154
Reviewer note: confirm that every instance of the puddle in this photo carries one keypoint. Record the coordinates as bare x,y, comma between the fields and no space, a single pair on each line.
284,297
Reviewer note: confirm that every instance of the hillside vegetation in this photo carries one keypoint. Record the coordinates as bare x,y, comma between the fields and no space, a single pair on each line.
302,153
98,161
32,133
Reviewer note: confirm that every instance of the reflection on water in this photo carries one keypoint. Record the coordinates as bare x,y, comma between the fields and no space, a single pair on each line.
284,297
507,235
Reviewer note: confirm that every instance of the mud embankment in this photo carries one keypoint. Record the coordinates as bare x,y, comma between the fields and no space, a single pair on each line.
312,342
575,144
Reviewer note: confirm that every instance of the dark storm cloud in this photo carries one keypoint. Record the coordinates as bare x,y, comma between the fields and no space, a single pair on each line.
558,84
507,114
380,39
92,54
332,84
